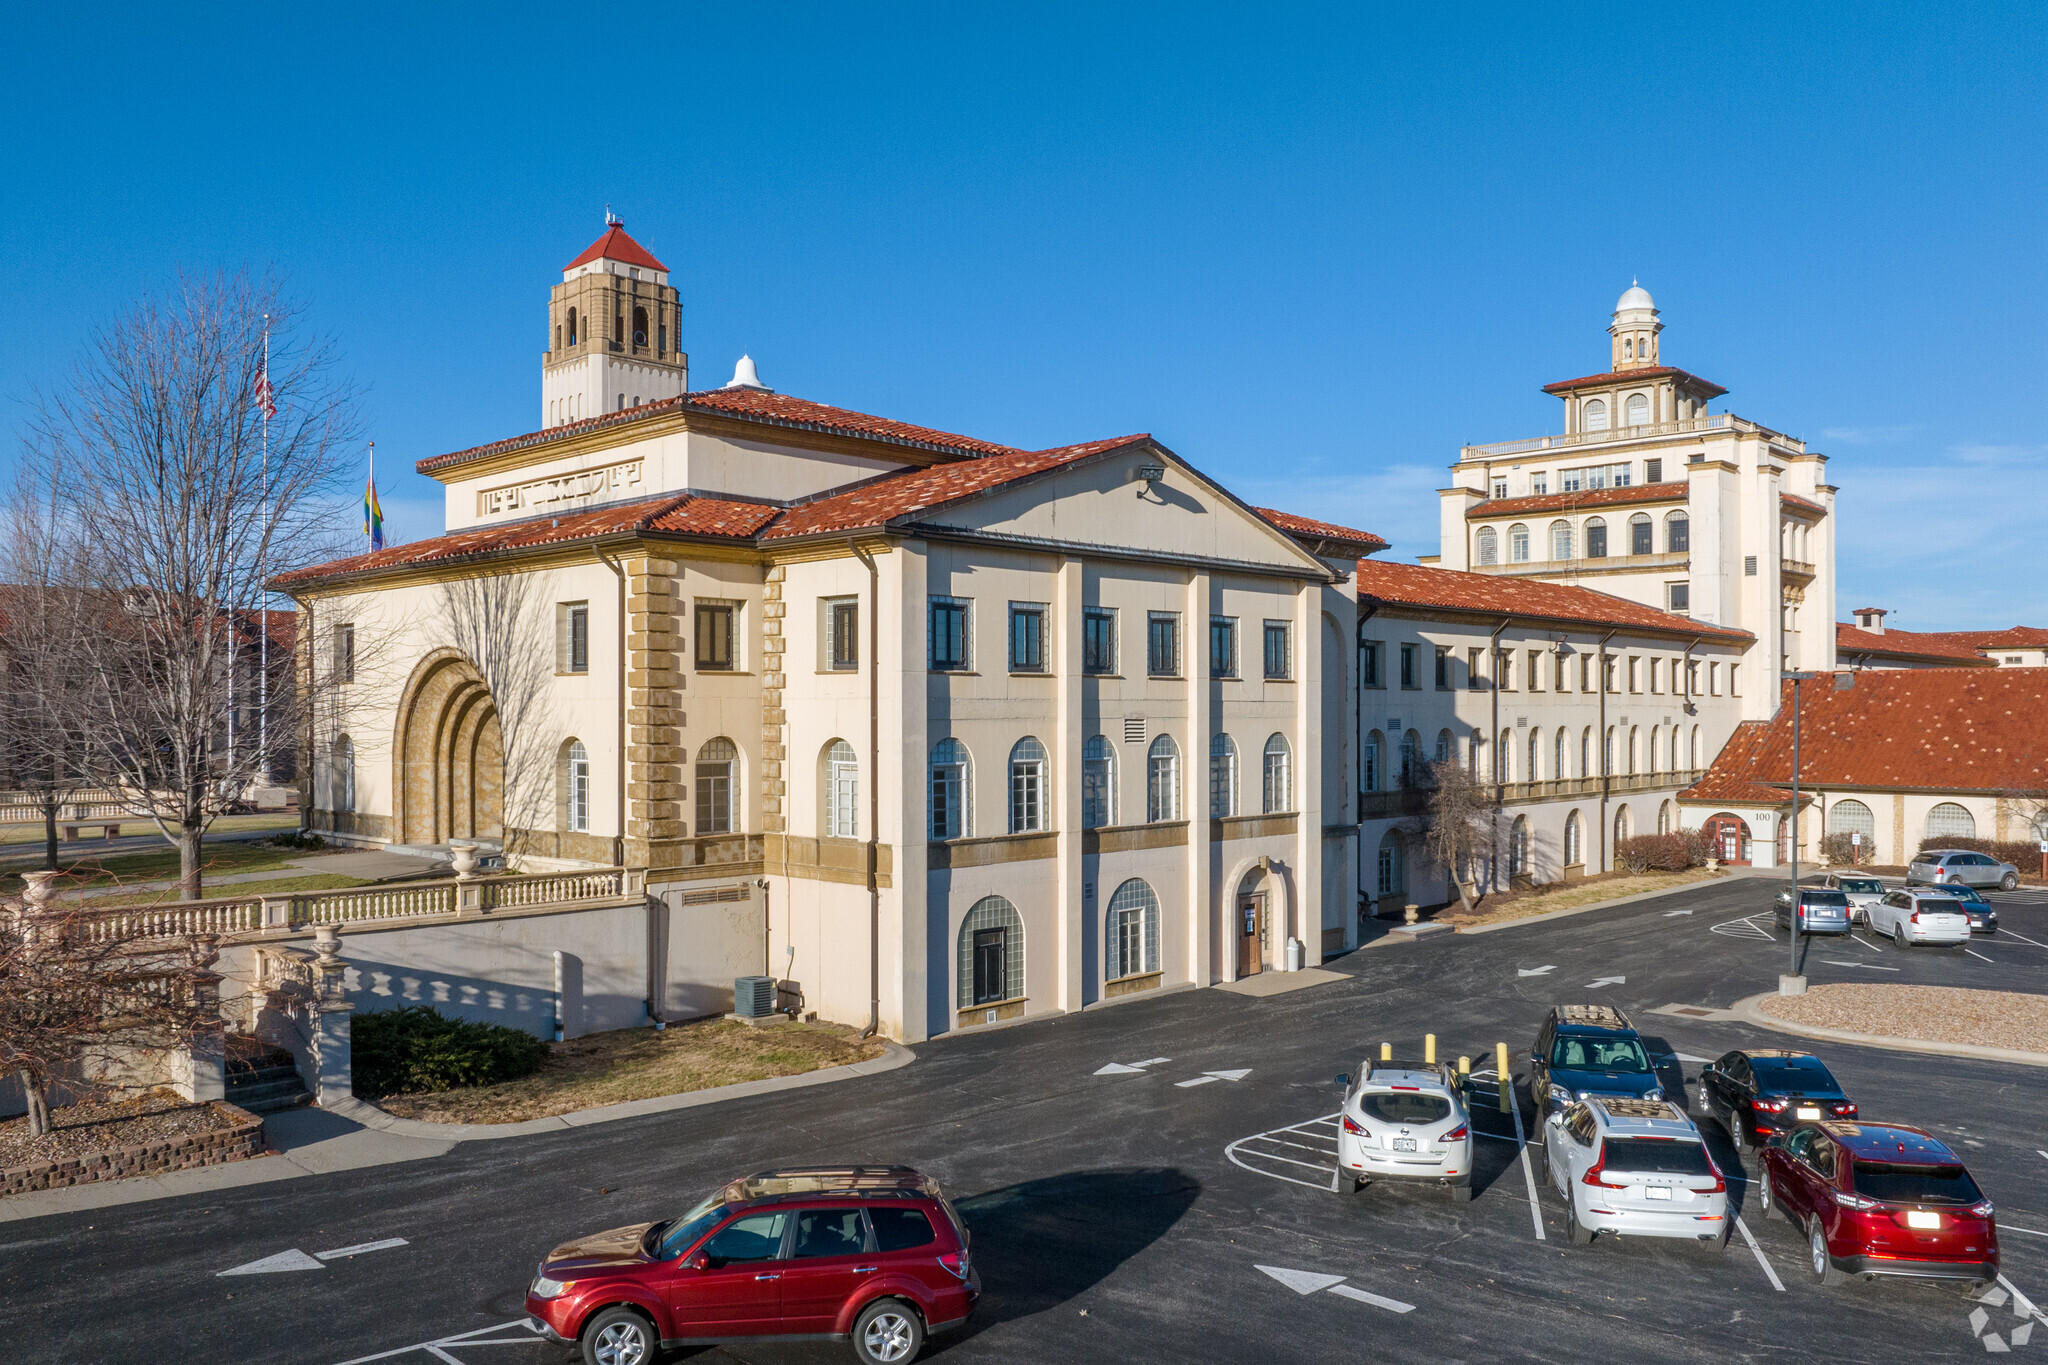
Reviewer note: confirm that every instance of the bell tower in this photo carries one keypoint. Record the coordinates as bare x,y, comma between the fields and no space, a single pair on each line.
1634,330
614,326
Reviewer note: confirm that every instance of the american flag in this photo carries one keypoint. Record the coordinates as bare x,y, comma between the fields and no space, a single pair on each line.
266,401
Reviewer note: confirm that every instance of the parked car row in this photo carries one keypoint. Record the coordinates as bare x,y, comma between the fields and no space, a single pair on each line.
1945,913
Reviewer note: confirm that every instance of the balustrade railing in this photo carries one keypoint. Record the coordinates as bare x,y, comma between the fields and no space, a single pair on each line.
1720,421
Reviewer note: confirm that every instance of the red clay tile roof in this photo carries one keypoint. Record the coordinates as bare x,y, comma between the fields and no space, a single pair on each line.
1803,504
2017,637
1731,781
1565,502
1414,585
747,405
1306,528
1712,389
1908,644
895,496
615,245
1932,729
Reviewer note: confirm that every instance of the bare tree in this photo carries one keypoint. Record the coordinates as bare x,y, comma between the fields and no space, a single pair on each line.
504,625
1459,829
178,497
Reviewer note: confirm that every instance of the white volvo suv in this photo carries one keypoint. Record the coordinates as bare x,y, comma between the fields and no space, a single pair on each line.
1404,1121
1636,1168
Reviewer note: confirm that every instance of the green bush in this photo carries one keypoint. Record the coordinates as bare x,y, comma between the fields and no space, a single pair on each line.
295,838
417,1048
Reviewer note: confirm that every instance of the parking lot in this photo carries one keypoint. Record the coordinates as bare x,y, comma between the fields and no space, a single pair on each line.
1148,1182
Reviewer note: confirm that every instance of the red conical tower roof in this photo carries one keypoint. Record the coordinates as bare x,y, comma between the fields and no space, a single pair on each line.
615,245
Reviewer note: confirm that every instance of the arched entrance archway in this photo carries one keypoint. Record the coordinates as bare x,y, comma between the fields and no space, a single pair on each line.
1730,836
449,752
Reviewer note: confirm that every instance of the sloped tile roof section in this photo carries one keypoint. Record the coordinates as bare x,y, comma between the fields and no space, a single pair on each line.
1418,586
896,497
615,245
1312,533
1932,729
1671,491
1712,389
2018,637
1732,779
1952,650
747,405
1803,504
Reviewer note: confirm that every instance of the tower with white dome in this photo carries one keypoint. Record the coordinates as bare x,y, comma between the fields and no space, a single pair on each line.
1635,330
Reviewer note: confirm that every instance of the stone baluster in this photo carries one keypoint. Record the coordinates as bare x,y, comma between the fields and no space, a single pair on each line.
469,891
333,1074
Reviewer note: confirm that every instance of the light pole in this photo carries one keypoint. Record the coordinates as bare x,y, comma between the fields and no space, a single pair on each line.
1792,982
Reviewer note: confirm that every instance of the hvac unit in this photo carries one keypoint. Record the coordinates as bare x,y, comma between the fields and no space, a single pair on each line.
753,997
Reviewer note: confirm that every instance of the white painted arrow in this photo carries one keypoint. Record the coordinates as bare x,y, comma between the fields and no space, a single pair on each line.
1119,1069
1199,1080
1393,1305
1670,913
1153,1061
1606,981
1237,1075
1534,971
1310,1281
294,1259
360,1248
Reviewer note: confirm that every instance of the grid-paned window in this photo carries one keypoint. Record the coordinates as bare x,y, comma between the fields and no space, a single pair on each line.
841,782
575,637
1162,644
950,787
1098,783
716,764
1131,927
1027,786
579,787
715,621
1098,640
1223,646
1162,780
948,633
842,631
1279,650
1279,775
1027,637
1222,776
991,953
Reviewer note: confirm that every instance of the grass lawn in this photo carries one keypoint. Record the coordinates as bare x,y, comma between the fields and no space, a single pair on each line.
160,864
639,1064
227,824
1568,896
267,886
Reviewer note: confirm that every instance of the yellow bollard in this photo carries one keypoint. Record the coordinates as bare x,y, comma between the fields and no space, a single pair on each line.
1465,1066
1507,1080
1429,1048
1386,1052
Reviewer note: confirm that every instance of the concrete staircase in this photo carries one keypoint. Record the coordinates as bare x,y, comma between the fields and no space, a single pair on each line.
262,1079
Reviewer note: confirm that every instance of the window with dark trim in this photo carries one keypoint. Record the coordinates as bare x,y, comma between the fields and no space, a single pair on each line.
1443,668
1279,650
1223,646
948,633
1162,644
1369,664
1027,638
842,625
1098,640
715,621
1409,677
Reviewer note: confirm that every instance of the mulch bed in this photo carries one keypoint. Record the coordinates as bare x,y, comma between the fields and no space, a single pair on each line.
82,1129
1938,1014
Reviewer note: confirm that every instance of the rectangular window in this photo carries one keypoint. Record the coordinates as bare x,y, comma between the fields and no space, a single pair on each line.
948,633
840,647
1095,798
1535,670
1679,596
1572,480
1162,644
572,637
715,628
345,653
1749,566
1596,539
1560,676
1609,673
1585,673
1279,654
1621,475
1500,488
1223,646
1027,638
1504,668
1713,679
714,788
1653,471
1733,674
948,794
1098,640
1640,536
1692,678
1539,484
1443,668
1369,665
1410,678
1027,796
1475,671
1635,673
1656,676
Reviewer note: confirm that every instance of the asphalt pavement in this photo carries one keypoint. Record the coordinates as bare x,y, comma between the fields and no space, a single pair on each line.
1143,1213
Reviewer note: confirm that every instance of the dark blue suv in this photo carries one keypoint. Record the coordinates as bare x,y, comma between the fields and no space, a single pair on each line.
1586,1050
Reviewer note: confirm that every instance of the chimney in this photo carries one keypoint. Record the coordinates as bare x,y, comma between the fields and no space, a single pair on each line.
1871,619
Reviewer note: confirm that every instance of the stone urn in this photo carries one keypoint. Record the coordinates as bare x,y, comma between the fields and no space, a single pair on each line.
36,889
462,856
327,944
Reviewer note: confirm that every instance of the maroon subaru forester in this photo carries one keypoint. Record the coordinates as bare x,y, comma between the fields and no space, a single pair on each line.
871,1254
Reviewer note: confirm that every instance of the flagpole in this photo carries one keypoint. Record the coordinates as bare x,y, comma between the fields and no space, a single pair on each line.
263,588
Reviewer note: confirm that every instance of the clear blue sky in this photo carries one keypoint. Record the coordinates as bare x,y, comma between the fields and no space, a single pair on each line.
1313,250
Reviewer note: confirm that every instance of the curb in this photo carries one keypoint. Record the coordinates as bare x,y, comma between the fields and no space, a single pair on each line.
1608,905
894,1055
1749,1008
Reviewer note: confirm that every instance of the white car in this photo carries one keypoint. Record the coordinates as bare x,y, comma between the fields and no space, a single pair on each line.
1915,916
1635,1168
1862,890
1404,1121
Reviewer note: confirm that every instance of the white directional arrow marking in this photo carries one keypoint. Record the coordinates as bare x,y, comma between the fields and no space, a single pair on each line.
1534,971
1606,981
1199,1080
1300,1281
360,1248
294,1259
1237,1075
1375,1300
1669,913
1153,1061
1119,1069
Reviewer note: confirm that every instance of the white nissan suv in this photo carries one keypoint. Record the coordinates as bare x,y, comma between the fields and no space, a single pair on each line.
1636,1168
1404,1121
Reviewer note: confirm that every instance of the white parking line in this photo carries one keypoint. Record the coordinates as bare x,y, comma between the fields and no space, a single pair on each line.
2007,1227
1979,956
1858,940
477,1337
1761,1259
1528,1174
2021,1301
2023,938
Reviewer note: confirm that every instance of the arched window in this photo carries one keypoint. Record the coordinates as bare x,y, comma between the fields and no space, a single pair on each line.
576,786
1663,817
1586,752
1574,840
1534,772
1411,759
1131,931
1371,774
1624,824
1650,753
1677,534
1098,783
1607,755
1674,750
572,326
1489,546
344,793
1693,752
1638,410
1557,765
1641,535
718,786
1628,348
1560,540
1446,746
639,327
1518,848
1596,538
1162,780
952,787
1222,776
1595,415
1849,816
1393,864
1027,786
1634,734
1279,770
1518,544
1950,821
1504,757
839,788
991,953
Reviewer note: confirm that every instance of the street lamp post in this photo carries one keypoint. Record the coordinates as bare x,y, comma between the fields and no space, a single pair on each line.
1792,982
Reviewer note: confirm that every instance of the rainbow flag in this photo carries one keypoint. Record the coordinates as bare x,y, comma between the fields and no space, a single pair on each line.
373,511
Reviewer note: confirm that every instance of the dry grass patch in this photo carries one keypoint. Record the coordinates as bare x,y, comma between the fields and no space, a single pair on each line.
639,1064
1935,1014
1556,896
101,1125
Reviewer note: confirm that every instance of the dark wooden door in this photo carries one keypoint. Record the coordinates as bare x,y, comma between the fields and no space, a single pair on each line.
1251,933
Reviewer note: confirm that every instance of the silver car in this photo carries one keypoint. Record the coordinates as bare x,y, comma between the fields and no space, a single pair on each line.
1821,911
1911,916
1862,890
1635,1168
1934,866
1405,1121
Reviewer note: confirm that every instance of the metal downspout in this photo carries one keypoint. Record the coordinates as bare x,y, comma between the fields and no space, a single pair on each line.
619,763
874,786
1606,756
1493,738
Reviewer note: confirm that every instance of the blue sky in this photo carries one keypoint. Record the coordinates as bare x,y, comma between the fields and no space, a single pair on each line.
1313,250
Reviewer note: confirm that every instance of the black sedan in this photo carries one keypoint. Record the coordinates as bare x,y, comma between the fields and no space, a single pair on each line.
1766,1090
1983,919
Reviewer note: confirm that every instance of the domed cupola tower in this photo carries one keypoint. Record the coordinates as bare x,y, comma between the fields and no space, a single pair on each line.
1634,330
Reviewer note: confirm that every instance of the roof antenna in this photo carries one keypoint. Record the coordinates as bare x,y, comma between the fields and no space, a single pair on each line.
610,219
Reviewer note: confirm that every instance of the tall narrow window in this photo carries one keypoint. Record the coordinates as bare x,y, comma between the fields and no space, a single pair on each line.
717,763
1027,786
1488,545
1410,674
1162,780
839,777
1534,772
1640,534
1369,762
661,345
991,953
1557,758
1222,776
578,776
1594,415
1443,668
1279,776
1098,640
1638,410
576,637
1596,539
345,653
1475,669
1131,928
1098,783
842,634
949,635
1223,646
1279,650
572,326
1027,637
715,635
1560,540
1535,670
1518,544
639,326
1369,664
1162,644
1677,533
950,786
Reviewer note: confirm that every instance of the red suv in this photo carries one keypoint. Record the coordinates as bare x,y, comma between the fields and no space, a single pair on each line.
874,1254
1880,1199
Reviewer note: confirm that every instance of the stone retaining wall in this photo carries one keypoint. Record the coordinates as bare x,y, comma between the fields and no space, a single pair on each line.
243,1138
